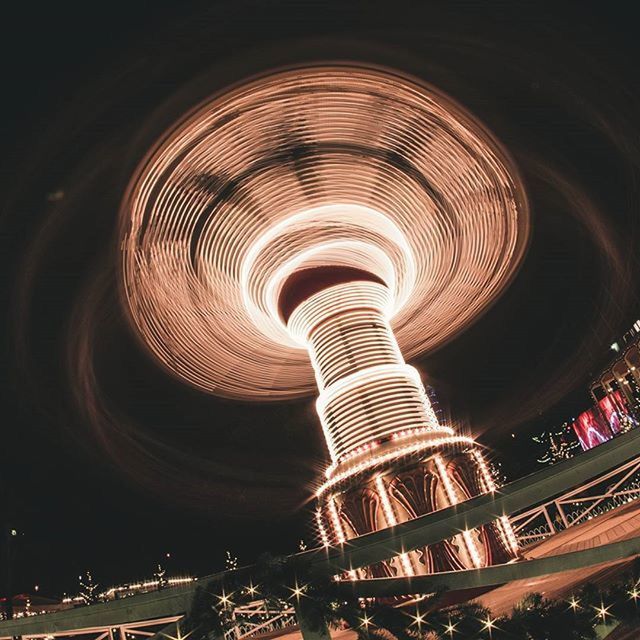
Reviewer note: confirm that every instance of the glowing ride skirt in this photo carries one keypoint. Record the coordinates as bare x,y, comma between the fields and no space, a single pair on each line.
308,228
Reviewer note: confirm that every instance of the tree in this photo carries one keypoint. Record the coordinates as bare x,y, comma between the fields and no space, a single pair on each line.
88,588
160,576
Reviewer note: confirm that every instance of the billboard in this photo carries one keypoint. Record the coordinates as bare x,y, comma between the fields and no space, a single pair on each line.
591,429
614,409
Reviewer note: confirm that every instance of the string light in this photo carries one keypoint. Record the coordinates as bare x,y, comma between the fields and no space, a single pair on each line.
365,621
508,535
225,600
602,611
321,528
450,490
374,461
230,561
488,625
472,548
503,524
391,521
335,519
418,619
298,591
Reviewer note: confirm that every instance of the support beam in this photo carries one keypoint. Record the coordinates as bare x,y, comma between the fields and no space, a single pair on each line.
146,606
492,576
517,496
172,630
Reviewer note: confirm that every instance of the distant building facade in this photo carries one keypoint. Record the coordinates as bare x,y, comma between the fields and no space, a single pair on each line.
616,405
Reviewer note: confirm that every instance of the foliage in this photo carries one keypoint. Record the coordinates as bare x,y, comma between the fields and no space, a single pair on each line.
538,618
285,582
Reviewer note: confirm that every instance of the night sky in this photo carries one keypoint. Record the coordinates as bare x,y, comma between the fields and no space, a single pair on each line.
106,461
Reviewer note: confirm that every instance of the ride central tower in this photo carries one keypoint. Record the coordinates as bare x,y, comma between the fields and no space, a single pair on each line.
391,459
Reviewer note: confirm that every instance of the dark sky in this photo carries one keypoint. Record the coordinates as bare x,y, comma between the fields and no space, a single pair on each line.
106,462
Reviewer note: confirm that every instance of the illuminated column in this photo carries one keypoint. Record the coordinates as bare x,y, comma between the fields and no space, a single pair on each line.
375,414
368,394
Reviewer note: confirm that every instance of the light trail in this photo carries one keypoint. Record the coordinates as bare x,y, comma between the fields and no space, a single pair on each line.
315,227
327,165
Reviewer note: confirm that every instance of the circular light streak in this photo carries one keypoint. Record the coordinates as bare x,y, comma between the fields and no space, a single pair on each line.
330,165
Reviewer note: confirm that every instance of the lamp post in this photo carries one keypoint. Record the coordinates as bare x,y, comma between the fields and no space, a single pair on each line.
10,535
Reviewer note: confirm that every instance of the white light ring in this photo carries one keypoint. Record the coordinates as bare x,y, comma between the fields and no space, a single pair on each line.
334,301
372,374
339,219
270,317
373,461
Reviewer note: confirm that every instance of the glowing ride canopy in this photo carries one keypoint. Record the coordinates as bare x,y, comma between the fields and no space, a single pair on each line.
335,165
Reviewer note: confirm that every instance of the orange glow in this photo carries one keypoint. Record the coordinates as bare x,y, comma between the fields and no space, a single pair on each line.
454,498
321,529
336,165
487,481
374,460
390,517
335,521
367,392
503,524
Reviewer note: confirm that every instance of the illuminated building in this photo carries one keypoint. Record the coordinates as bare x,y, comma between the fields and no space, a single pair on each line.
310,229
616,405
24,605
616,394
622,374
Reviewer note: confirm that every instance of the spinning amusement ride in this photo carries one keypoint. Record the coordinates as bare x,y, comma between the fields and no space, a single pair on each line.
314,227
